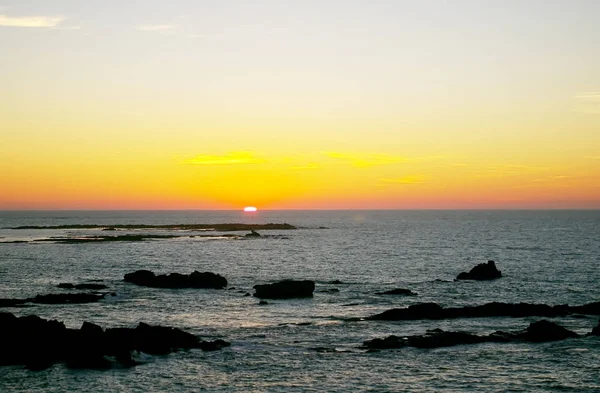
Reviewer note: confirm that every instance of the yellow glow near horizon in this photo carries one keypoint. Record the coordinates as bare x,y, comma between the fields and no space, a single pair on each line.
299,106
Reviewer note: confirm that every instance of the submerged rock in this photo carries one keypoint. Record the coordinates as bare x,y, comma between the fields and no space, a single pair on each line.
285,289
38,343
483,271
397,291
196,279
252,233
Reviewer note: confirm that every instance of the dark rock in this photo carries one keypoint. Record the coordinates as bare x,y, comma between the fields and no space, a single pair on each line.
12,302
541,331
247,294
397,291
390,342
544,331
263,303
213,345
144,278
70,298
66,285
335,282
483,271
252,233
38,343
285,289
494,309
207,280
196,279
91,328
595,331
330,290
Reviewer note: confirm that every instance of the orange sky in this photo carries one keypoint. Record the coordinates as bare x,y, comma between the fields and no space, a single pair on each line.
394,105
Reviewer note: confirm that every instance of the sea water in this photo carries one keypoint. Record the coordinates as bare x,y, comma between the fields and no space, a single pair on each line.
304,345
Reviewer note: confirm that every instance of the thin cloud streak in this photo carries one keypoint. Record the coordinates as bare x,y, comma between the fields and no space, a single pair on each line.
30,21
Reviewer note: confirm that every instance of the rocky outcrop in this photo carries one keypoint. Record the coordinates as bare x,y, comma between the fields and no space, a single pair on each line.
38,343
483,271
285,289
540,331
147,278
397,291
494,309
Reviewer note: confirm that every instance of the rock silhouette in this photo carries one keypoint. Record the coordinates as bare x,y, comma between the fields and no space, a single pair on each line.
494,309
59,298
285,289
147,278
38,343
483,271
540,331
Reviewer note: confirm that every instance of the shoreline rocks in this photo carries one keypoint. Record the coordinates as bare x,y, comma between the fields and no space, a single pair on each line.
481,272
205,280
38,343
285,289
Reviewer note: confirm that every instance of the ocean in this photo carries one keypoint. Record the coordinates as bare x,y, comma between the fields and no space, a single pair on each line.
314,344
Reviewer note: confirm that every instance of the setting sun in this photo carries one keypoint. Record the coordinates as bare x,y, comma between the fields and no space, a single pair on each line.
250,209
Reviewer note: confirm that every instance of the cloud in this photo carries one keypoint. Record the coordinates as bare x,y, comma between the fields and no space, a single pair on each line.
233,158
588,102
30,21
417,179
365,159
163,27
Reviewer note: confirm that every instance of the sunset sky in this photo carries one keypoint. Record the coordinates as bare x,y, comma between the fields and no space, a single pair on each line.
307,104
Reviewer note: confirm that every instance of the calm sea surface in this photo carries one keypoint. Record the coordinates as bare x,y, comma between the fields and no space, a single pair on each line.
550,257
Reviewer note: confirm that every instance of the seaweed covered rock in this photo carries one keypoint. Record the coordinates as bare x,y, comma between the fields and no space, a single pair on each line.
483,271
147,278
285,289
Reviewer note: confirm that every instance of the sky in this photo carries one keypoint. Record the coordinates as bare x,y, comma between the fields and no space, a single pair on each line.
307,104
